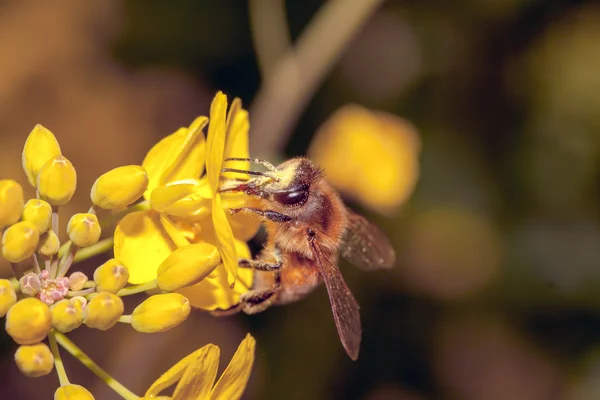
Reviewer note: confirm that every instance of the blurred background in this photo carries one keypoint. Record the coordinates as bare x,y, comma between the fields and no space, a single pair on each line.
469,131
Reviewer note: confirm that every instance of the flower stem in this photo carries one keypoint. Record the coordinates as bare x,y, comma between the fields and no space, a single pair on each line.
76,352
142,205
126,319
102,246
134,289
58,364
67,260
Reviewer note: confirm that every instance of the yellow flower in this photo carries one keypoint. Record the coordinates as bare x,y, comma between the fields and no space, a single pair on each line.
186,208
371,156
197,372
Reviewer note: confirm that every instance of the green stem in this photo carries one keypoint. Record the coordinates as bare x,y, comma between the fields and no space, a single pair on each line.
58,364
102,246
76,352
126,319
134,289
142,205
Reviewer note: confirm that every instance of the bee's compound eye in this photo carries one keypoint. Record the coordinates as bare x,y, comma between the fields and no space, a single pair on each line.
296,196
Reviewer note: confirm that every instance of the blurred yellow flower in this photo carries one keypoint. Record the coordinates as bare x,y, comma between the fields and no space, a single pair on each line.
186,209
197,372
371,156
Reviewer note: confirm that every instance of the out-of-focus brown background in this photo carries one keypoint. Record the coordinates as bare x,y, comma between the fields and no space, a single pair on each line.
496,294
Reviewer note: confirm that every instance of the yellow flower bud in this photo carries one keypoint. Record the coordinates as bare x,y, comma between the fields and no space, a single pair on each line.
39,213
84,229
40,146
49,244
8,297
11,202
160,313
187,265
103,311
66,315
111,276
57,181
19,241
182,200
28,321
72,392
119,187
77,280
35,360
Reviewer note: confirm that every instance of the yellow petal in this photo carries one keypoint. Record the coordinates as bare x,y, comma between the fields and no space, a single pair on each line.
216,139
178,156
40,146
225,239
199,376
142,244
214,292
244,226
232,383
175,373
187,266
189,200
237,137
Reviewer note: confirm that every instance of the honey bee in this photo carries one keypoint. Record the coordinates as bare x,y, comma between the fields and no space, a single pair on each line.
308,227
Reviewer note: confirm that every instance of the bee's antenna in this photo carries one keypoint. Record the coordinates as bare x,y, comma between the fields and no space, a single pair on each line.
254,160
241,171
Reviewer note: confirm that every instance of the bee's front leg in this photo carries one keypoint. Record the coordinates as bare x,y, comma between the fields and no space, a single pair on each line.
266,214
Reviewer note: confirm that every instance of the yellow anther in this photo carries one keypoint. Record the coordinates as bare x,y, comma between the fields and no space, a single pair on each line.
49,244
160,313
72,392
187,265
77,280
111,276
66,315
119,187
28,321
19,241
41,146
57,181
8,297
103,311
84,229
39,213
11,202
35,360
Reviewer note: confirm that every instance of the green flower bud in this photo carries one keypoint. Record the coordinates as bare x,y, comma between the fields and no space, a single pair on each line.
49,244
34,361
8,297
187,265
160,313
57,181
28,321
77,280
103,311
66,315
39,213
111,276
72,392
40,146
119,187
30,284
84,229
19,241
11,202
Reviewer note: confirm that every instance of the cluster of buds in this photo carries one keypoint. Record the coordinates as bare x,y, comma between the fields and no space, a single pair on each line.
44,299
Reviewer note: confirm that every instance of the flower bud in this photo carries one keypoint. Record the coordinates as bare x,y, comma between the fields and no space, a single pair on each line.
160,313
182,200
8,297
111,276
84,229
40,146
187,265
35,360
30,284
119,187
82,301
11,202
57,181
72,392
49,244
66,315
39,213
103,311
28,321
77,280
19,241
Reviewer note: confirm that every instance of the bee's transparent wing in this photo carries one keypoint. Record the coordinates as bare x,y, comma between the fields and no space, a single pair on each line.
365,245
344,306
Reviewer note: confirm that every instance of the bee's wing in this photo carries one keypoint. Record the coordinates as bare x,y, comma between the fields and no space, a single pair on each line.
343,304
365,245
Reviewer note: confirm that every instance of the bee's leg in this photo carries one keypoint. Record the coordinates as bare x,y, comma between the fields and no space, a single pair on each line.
267,214
256,301
259,265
